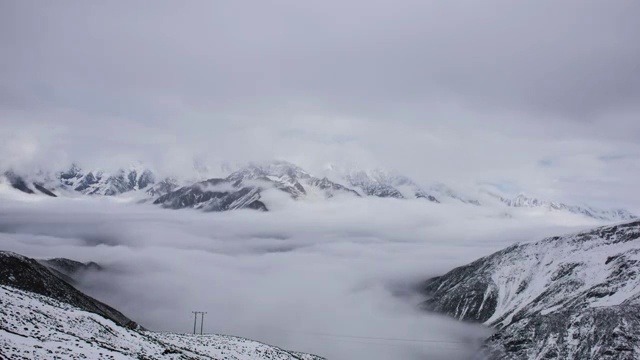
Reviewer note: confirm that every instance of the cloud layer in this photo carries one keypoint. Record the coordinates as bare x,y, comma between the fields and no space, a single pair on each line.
331,278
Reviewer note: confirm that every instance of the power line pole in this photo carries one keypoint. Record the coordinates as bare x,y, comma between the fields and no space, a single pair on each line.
195,321
201,321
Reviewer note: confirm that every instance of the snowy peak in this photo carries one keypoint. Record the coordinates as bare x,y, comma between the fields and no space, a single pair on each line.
524,201
283,175
291,179
385,184
98,182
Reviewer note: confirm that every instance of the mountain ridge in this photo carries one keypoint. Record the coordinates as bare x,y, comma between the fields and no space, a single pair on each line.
246,185
542,296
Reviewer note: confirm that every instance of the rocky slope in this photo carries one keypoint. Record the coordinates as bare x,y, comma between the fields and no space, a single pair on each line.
565,297
213,195
30,275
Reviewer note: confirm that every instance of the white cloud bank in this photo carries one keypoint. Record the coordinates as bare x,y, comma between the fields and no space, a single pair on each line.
300,276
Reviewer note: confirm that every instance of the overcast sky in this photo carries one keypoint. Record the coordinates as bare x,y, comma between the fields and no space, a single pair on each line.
538,96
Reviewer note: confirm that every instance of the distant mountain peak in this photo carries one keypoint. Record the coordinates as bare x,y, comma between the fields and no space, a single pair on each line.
522,200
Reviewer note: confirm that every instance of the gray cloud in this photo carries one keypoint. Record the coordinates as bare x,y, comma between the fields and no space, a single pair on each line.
440,90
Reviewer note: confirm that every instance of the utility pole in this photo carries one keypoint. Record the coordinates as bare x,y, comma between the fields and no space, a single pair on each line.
202,322
195,321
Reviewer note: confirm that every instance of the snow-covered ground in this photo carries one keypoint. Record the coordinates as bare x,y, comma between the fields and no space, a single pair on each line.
33,326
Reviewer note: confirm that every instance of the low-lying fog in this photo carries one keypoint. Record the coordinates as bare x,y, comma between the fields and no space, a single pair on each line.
331,277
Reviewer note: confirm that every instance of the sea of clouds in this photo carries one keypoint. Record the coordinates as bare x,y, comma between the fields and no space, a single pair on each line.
334,278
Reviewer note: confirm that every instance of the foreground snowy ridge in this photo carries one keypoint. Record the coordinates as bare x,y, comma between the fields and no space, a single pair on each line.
33,326
565,297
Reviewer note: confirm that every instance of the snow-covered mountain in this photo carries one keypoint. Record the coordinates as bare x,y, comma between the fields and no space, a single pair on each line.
381,183
243,188
565,297
524,201
291,179
36,326
214,195
98,182
81,181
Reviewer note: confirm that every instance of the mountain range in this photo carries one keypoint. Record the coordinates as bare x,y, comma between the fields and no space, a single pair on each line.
575,296
244,188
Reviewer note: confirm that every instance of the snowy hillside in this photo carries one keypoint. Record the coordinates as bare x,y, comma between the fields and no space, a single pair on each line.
568,297
33,326
42,316
28,274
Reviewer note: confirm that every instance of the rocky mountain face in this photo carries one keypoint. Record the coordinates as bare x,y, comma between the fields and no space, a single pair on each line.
41,317
565,297
243,189
28,274
524,201
213,195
